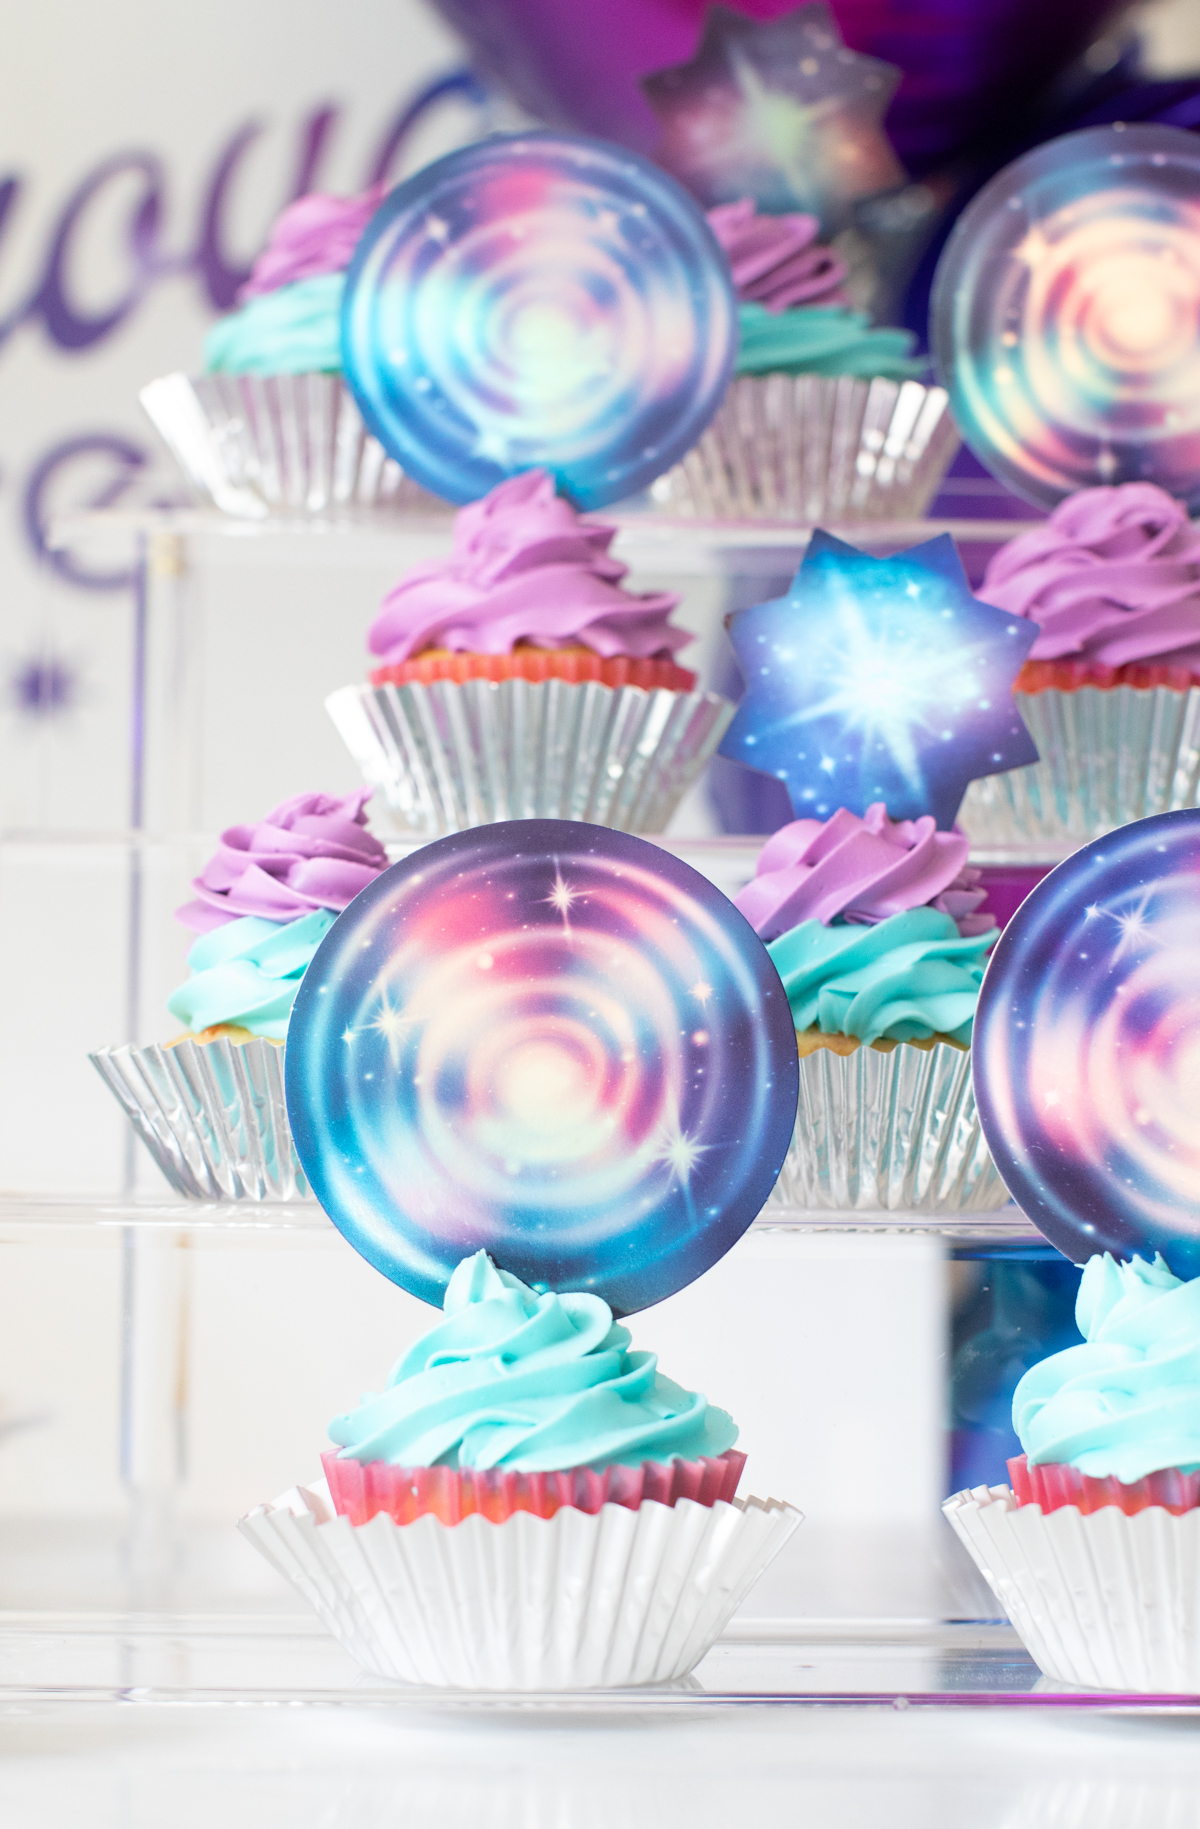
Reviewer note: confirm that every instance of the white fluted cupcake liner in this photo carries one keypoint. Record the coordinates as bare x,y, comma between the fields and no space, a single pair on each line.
1108,756
577,1601
892,1132
1102,1600
812,448
256,445
212,1114
447,756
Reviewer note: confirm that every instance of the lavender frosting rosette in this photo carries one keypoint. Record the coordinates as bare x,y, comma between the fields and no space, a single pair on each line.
1112,578
827,413
520,678
210,1105
524,570
1111,689
876,928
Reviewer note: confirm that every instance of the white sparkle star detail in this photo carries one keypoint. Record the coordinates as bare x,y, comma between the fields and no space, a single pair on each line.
562,898
702,992
1135,927
391,1024
678,1151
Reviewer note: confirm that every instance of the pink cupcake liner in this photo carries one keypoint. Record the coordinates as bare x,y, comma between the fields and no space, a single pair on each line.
360,1489
1056,1484
1066,675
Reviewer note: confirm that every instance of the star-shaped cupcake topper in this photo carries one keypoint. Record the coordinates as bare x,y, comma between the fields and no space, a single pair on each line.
879,679
778,110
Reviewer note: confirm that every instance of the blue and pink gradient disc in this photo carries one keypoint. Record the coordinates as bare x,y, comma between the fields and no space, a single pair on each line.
538,299
1087,1047
551,1041
1065,318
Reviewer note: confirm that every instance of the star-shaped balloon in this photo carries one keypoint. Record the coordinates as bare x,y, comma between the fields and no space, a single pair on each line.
879,679
778,110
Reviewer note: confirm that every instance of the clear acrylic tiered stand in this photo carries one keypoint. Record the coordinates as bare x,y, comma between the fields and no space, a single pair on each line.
127,1612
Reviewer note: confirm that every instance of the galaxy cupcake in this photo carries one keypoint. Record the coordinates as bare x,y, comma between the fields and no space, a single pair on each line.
270,426
1109,691
541,1075
529,1504
1093,1548
876,929
828,416
520,678
209,1105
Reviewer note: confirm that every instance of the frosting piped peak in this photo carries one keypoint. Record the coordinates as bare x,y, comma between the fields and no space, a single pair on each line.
777,261
1126,1403
316,234
524,567
311,852
861,870
1112,577
529,1380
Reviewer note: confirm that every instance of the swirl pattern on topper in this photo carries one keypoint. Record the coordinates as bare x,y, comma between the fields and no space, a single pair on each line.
538,299
1066,315
550,1041
1087,1048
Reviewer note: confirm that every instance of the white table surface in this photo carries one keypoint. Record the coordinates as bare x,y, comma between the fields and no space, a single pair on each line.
131,1767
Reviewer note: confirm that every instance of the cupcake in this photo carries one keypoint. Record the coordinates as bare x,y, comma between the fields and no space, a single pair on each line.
1092,1551
519,678
876,930
1108,690
209,1105
827,416
529,1504
269,426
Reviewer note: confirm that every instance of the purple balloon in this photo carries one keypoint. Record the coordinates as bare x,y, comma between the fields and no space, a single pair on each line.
963,60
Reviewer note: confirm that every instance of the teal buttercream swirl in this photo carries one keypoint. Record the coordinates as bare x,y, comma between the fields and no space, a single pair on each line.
248,972
510,1378
295,330
905,979
1127,1403
822,340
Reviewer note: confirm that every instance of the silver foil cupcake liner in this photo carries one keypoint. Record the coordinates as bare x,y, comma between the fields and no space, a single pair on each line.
894,1132
579,1601
813,448
1108,756
212,1114
447,756
256,445
1101,1600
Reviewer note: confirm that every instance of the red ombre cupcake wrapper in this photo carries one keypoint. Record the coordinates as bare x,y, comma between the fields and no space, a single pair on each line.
577,665
360,1489
1070,675
1056,1484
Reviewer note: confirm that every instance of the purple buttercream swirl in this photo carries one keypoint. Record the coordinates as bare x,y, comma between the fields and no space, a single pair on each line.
316,234
861,870
1112,577
776,261
312,852
524,567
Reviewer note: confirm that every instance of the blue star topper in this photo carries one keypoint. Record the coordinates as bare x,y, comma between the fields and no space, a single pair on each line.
879,679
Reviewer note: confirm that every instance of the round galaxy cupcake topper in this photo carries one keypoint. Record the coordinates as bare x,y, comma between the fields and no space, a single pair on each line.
1086,1047
1066,315
538,299
552,1041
